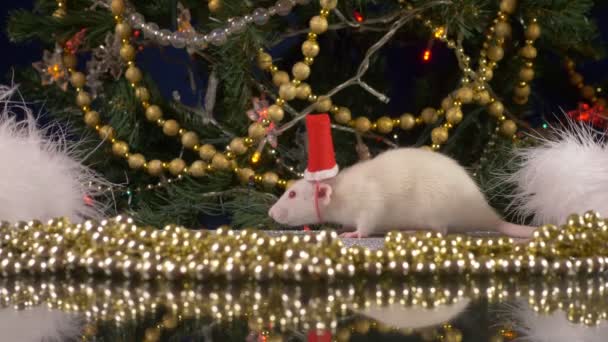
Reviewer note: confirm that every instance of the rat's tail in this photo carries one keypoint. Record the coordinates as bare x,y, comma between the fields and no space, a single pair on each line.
515,230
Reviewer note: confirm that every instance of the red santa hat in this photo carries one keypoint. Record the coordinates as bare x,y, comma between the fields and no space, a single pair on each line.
321,156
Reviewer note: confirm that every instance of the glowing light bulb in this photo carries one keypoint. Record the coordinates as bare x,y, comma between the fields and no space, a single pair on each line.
427,55
255,158
439,32
358,16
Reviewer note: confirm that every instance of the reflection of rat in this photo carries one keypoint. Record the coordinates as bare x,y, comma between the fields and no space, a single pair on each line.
401,189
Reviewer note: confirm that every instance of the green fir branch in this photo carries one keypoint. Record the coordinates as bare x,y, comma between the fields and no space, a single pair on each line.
25,26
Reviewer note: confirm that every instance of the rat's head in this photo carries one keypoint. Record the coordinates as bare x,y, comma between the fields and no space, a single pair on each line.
297,205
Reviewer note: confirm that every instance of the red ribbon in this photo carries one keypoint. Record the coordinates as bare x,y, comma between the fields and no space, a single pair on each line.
317,208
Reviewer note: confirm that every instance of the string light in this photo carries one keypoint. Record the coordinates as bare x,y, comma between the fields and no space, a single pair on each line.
427,55
56,71
255,157
440,32
358,16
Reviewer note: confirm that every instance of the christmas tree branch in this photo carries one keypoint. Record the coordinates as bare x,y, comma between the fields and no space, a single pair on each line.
368,25
364,65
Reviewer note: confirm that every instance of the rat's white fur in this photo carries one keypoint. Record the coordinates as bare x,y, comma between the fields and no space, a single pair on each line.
553,327
416,317
566,174
40,177
406,188
39,324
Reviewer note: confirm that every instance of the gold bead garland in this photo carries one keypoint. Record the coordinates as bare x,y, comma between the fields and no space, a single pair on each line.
385,125
493,51
489,57
295,88
114,247
587,92
526,73
288,91
214,6
153,113
484,153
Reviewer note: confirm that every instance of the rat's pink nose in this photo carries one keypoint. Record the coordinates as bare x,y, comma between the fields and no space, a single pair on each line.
277,214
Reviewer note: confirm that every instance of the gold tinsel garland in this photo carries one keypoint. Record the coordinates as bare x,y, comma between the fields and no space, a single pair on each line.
118,247
289,307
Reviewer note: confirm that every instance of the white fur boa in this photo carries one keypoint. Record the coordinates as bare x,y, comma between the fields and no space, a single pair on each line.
553,327
41,176
566,174
39,324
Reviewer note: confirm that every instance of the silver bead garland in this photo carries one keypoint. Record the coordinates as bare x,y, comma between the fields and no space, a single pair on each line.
219,36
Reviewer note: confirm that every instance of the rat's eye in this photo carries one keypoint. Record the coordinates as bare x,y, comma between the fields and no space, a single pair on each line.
292,194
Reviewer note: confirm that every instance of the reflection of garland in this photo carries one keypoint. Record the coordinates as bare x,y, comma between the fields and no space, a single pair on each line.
301,308
119,247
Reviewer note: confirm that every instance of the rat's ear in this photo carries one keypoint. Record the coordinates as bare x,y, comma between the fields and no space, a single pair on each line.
324,193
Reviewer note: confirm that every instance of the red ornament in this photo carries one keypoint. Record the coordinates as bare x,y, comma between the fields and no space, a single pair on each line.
358,16
321,156
593,115
136,33
88,200
319,336
74,43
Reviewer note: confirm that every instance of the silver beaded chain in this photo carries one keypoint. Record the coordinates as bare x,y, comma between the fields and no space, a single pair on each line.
217,37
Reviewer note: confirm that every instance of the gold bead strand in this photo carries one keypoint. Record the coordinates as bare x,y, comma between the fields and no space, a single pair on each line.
295,88
189,139
153,113
92,118
499,30
214,6
451,106
588,92
526,73
493,46
211,159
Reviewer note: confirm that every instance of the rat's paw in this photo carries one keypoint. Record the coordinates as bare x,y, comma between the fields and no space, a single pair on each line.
352,235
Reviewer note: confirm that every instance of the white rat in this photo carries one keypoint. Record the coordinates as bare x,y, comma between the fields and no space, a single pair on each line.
400,189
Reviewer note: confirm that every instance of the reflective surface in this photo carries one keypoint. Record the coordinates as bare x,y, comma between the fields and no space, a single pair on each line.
430,309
